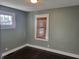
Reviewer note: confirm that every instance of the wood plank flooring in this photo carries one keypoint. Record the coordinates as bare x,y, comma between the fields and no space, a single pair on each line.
34,53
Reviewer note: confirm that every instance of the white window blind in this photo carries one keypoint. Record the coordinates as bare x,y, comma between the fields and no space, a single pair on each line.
7,20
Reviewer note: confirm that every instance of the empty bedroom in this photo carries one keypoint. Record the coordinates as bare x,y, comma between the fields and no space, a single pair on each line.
39,29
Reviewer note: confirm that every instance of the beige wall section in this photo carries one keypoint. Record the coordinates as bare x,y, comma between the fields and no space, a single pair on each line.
63,29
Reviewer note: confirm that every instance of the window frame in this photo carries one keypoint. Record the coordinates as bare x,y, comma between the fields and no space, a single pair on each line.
13,20
47,26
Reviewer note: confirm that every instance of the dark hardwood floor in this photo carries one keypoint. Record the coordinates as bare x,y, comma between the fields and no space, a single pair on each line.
34,53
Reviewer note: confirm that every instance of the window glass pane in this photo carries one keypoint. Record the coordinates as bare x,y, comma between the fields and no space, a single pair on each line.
6,19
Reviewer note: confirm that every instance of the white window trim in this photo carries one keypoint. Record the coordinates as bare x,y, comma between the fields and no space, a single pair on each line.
13,21
47,27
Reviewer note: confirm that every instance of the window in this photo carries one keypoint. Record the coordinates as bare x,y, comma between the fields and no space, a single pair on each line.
7,20
41,27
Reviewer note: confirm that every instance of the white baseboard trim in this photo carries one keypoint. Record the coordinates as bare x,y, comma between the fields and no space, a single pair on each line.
55,51
43,48
13,50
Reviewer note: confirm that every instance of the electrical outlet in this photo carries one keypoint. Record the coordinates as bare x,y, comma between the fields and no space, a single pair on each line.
6,48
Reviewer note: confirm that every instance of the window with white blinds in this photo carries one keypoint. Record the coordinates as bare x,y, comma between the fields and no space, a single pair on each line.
7,20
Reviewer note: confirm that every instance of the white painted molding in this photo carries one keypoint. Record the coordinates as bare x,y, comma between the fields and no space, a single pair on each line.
43,48
13,50
55,51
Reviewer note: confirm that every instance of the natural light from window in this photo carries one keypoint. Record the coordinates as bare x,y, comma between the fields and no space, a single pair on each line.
5,20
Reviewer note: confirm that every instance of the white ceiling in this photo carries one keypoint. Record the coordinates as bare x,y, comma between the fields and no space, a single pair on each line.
25,5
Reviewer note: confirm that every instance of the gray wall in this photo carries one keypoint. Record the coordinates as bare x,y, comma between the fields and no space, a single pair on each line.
63,29
12,38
